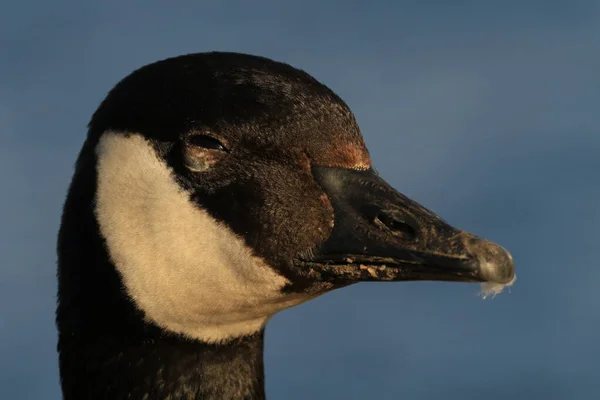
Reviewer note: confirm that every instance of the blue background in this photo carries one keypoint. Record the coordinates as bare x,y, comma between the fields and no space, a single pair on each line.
486,112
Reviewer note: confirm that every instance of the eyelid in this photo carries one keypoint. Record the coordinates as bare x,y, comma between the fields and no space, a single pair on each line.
206,141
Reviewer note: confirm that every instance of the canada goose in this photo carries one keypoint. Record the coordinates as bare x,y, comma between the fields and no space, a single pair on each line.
214,190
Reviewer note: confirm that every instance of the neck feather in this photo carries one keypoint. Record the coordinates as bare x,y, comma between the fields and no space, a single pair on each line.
167,368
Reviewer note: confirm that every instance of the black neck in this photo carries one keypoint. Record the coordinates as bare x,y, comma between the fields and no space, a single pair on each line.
169,368
108,350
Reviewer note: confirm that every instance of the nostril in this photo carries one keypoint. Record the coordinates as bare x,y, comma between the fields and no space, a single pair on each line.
397,226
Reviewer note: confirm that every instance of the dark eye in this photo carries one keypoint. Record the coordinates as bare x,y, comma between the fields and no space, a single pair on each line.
207,142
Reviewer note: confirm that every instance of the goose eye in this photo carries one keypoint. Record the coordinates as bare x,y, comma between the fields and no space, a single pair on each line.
202,152
207,142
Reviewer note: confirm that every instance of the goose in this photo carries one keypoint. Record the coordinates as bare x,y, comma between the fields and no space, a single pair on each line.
212,191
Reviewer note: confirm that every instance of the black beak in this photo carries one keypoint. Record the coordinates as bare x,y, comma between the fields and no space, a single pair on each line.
380,234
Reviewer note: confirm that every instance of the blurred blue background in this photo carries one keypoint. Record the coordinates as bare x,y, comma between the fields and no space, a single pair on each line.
486,112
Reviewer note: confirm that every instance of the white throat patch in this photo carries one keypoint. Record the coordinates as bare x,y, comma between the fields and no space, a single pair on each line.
189,273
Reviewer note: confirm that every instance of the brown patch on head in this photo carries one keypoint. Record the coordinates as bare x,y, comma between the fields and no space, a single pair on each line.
334,139
354,156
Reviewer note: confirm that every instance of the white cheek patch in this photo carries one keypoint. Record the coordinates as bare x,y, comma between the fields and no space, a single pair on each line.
189,273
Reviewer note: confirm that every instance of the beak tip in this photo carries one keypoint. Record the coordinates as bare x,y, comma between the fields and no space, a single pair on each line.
495,262
498,273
